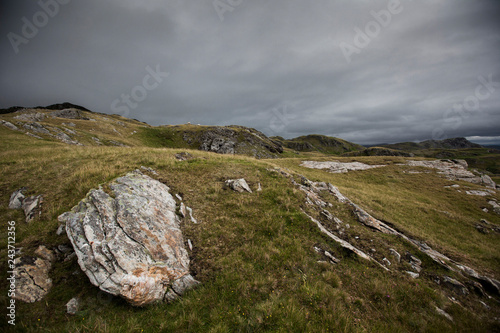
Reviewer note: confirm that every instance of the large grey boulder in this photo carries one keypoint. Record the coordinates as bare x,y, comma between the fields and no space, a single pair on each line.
131,244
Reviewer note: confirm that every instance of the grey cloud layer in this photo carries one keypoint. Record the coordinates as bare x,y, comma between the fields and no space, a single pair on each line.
276,66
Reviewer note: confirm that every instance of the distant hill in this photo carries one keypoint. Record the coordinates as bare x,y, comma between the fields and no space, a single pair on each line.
61,106
379,151
321,143
453,143
74,124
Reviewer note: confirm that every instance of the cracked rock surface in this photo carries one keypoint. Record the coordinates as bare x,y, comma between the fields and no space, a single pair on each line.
131,244
32,279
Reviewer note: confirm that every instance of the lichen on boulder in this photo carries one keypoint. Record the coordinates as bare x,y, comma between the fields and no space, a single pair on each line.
130,244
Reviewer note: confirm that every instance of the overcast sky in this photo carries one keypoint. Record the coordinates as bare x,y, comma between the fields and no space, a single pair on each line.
365,71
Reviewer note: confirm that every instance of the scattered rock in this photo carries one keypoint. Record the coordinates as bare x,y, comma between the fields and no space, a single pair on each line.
37,128
386,261
238,185
61,230
413,275
455,170
259,188
45,253
184,156
131,244
444,314
32,207
9,125
455,285
480,193
416,264
32,279
150,170
481,229
339,167
30,116
190,211
182,209
34,136
17,198
69,124
190,245
73,306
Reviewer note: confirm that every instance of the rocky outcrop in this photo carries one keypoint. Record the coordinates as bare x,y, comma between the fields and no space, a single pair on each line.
455,170
130,244
68,114
229,140
339,167
9,125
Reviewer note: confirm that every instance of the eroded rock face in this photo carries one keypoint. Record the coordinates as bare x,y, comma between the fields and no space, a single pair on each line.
131,244
68,114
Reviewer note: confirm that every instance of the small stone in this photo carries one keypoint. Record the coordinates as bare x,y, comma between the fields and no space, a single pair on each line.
182,209
190,211
331,257
456,285
184,156
17,198
395,254
412,274
178,196
190,245
31,206
259,189
479,193
45,253
9,125
386,261
238,185
442,313
73,306
61,230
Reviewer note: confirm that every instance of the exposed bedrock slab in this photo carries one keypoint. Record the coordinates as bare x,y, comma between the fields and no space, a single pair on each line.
131,244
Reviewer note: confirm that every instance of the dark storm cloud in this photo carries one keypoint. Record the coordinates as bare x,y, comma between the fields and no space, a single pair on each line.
277,66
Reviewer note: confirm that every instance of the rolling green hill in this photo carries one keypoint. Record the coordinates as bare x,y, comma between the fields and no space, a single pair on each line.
319,143
260,257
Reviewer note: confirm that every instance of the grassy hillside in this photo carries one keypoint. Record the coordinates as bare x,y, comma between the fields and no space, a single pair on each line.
320,143
253,253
